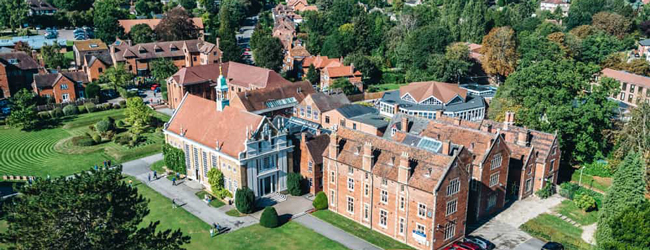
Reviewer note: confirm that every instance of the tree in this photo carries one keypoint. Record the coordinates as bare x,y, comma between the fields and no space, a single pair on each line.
215,178
320,202
367,65
138,115
23,46
344,85
270,55
53,58
177,25
141,33
635,136
269,218
312,75
106,14
627,190
630,228
595,48
581,11
73,4
612,23
116,76
174,158
162,69
583,31
94,210
245,200
472,26
93,90
231,51
14,13
584,202
188,4
499,52
23,110
294,184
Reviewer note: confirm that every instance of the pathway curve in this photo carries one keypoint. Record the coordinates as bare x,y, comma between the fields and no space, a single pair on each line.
184,195
588,233
334,233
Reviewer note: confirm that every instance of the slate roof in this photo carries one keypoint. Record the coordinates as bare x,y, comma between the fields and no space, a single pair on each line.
48,80
471,102
257,100
326,103
363,114
19,60
645,42
317,146
104,58
159,49
41,5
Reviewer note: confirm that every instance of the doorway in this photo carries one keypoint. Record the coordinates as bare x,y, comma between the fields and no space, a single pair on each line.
267,185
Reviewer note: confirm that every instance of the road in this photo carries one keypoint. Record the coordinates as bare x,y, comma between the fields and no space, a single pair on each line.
245,33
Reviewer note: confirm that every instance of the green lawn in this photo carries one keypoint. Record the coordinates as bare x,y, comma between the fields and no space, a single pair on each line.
69,55
214,202
596,182
289,236
359,230
569,209
50,151
234,213
158,166
551,228
384,87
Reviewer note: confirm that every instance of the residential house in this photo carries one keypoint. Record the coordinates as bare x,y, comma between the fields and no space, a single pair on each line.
423,99
311,159
95,65
272,102
356,117
62,87
88,47
285,30
293,59
199,80
634,88
316,104
301,5
330,74
127,24
414,195
186,53
247,148
16,72
41,7
319,62
644,49
551,5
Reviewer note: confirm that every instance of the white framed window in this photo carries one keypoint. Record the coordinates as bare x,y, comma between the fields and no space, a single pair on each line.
384,182
315,115
64,86
350,205
492,201
332,198
350,170
332,177
214,161
309,111
205,164
529,185
496,162
402,201
366,211
350,184
65,97
450,230
453,187
383,218
402,226
552,165
452,206
310,166
420,228
494,179
422,210
366,190
384,196
393,131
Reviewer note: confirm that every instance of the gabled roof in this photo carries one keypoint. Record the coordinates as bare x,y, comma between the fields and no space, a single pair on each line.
342,71
127,24
320,62
19,60
201,122
445,92
49,80
627,77
317,146
326,103
104,58
239,74
266,98
41,5
90,45
166,49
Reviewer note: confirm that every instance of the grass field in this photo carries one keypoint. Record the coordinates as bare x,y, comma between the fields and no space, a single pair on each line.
358,230
551,228
50,152
214,202
596,182
569,209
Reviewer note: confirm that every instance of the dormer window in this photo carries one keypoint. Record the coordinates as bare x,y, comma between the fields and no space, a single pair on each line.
92,45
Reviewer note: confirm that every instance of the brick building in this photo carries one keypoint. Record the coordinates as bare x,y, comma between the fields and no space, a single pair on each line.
414,195
271,102
17,71
61,87
315,105
356,117
88,47
95,65
634,88
330,74
311,159
200,80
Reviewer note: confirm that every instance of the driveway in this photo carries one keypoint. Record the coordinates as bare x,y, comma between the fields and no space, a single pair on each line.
334,233
503,230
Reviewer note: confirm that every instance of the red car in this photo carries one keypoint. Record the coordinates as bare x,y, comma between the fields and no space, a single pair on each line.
467,246
153,87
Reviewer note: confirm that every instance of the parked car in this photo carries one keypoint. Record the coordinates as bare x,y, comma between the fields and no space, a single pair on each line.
153,87
552,246
467,245
485,244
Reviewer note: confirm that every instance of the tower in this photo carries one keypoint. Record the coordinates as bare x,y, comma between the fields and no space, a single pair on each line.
221,91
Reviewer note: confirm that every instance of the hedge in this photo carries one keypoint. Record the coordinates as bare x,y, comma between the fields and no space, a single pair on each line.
82,141
293,184
320,202
245,200
269,218
70,110
174,158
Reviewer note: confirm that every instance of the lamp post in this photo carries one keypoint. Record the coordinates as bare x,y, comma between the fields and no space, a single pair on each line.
580,180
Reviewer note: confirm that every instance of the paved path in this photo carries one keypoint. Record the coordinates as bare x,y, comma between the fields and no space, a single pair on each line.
185,195
334,233
588,233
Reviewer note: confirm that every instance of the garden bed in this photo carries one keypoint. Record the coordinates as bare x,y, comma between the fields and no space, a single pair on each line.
214,202
551,228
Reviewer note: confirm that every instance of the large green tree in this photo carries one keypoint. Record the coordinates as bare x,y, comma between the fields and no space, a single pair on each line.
53,58
176,25
14,13
106,14
596,47
630,229
472,23
141,33
270,55
628,189
95,209
162,69
23,110
635,136
73,4
117,76
138,115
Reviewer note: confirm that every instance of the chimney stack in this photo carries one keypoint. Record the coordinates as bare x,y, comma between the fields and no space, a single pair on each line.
334,146
405,124
487,128
367,156
438,114
523,138
446,147
303,137
404,170
508,120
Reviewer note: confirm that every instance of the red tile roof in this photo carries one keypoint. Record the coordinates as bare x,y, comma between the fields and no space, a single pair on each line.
256,100
445,92
123,50
320,62
627,77
342,71
239,74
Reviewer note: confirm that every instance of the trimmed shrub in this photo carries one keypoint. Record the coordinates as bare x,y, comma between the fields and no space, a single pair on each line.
245,200
122,103
122,139
174,158
97,139
225,193
82,141
269,218
116,106
568,190
44,115
91,127
103,126
585,202
107,106
109,135
81,109
70,110
90,107
99,107
58,112
293,184
320,202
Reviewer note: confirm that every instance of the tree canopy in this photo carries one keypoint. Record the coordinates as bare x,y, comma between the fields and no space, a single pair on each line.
23,111
500,52
270,55
176,25
106,14
138,115
142,33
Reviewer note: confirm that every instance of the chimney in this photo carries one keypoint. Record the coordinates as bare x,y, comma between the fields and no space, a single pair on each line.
367,156
508,120
487,128
318,131
522,138
303,137
446,147
438,114
404,170
333,146
351,68
405,124
218,147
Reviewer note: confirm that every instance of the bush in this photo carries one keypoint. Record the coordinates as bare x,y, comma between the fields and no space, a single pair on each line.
119,123
97,139
122,139
107,106
58,112
174,158
245,200
320,202
225,193
99,107
81,109
269,218
122,103
293,184
103,126
82,141
546,191
116,106
70,110
90,107
585,202
597,169
568,190
44,115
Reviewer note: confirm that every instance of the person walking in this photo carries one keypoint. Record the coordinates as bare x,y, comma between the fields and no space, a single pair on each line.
155,175
149,177
130,183
173,181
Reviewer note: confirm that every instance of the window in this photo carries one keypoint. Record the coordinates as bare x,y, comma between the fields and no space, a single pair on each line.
64,86
302,112
630,97
402,200
420,228
552,165
65,97
624,86
528,186
196,158
350,170
452,206
235,185
384,196
632,88
494,179
350,205
554,150
100,70
492,201
327,119
401,188
453,187
450,230
205,165
308,111
315,115
342,122
354,126
366,190
401,225
496,162
332,199
422,210
383,218
393,131
622,96
333,176
384,182
310,165
350,184
294,110
366,211
214,161
311,182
